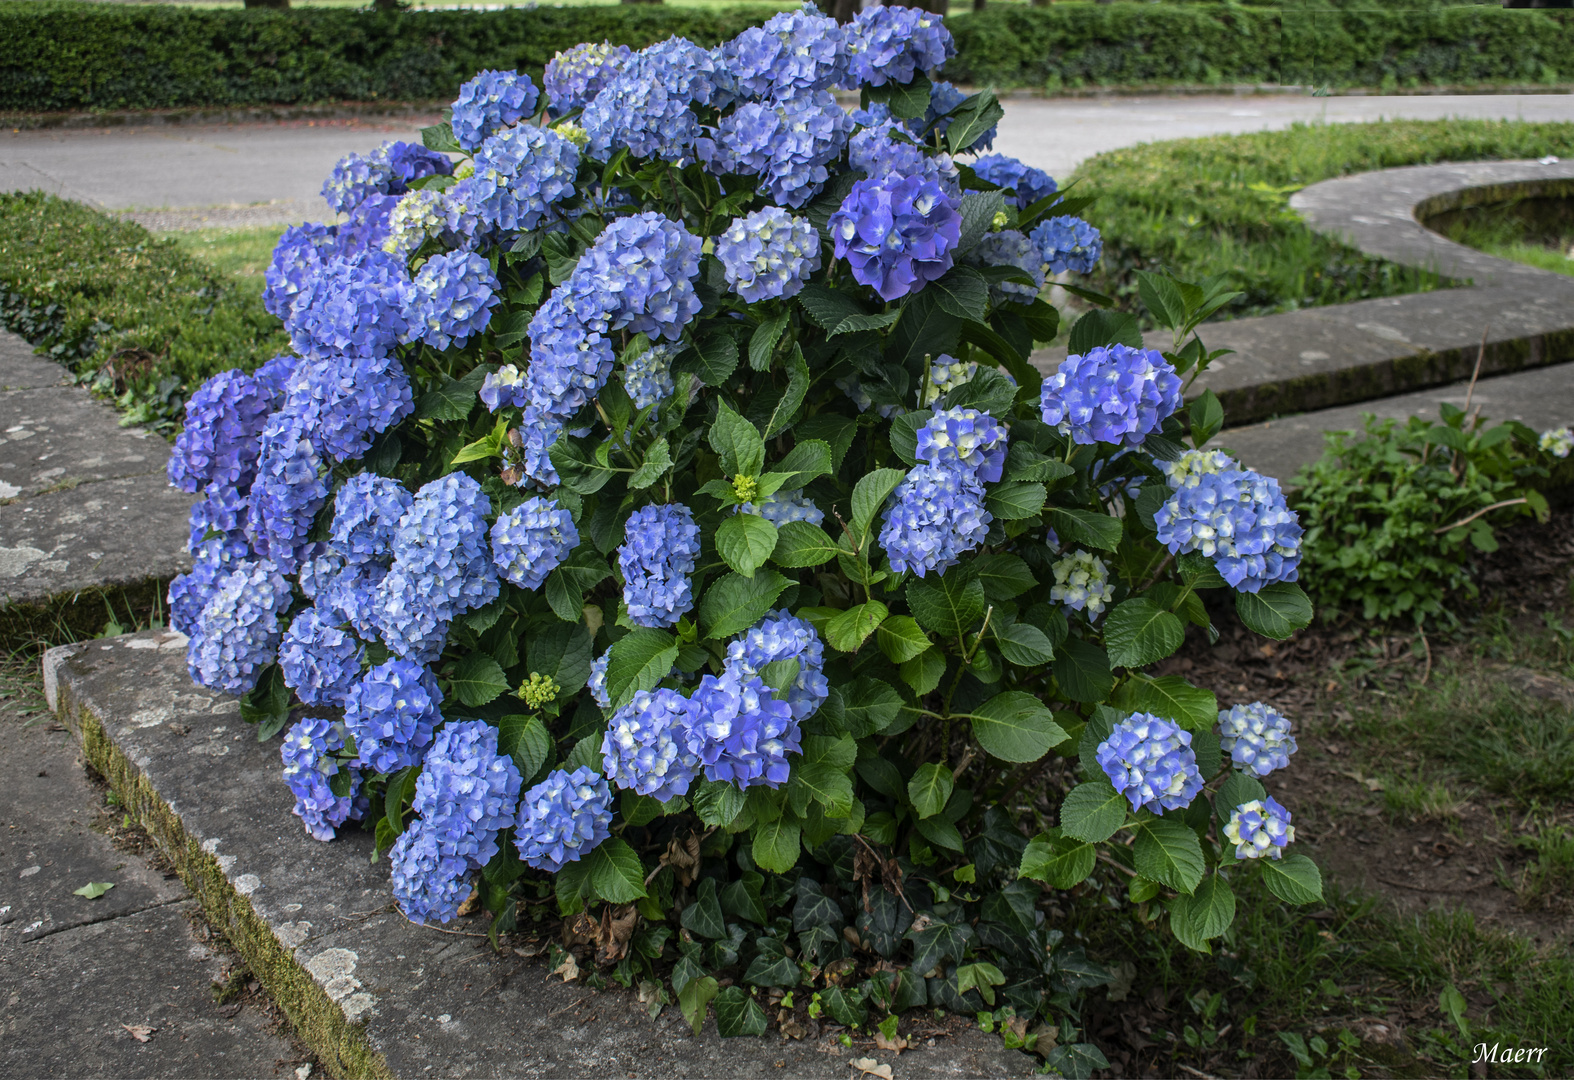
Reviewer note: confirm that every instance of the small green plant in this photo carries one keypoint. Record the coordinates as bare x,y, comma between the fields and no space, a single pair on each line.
1397,515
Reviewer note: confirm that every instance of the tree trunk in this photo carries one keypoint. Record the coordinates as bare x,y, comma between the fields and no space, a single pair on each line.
268,3
844,11
978,5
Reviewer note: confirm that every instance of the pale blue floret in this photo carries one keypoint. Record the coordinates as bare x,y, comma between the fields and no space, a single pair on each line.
1150,761
1257,738
1082,583
1260,829
563,818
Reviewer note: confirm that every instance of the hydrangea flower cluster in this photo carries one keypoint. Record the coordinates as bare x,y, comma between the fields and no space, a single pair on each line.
219,445
1026,184
1233,515
506,386
783,636
656,558
885,148
1260,829
575,76
780,507
319,661
465,794
237,633
892,44
490,101
1068,243
787,142
1558,442
646,748
1008,247
740,733
387,170
1150,761
427,215
1082,583
452,299
644,108
393,712
521,174
355,305
896,233
648,376
1257,738
1112,394
934,517
297,257
311,754
768,254
597,683
563,818
967,438
532,540
793,52
946,373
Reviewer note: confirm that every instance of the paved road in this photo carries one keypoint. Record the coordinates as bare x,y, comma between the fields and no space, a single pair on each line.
268,172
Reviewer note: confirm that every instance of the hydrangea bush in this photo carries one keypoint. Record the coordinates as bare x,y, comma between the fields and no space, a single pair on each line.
662,512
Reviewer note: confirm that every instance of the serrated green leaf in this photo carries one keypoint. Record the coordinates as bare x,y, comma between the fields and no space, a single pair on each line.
713,359
1171,697
638,661
1004,577
978,215
1294,879
1093,812
1084,527
1103,327
1024,645
964,293
1237,788
1167,851
848,631
440,137
762,343
971,120
717,802
1138,632
735,603
1061,862
1016,726
525,739
924,672
949,606
1275,611
869,496
615,872
1015,500
745,541
1204,914
800,544
478,680
823,782
929,789
566,586
1082,670
658,459
454,399
776,844
901,638
737,442
859,321
870,706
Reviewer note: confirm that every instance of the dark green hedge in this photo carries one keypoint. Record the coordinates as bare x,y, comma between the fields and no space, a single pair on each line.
68,56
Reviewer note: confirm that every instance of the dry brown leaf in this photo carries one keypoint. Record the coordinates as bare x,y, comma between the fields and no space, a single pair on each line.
617,927
896,1045
569,968
872,1067
580,930
471,905
684,858
790,1028
140,1032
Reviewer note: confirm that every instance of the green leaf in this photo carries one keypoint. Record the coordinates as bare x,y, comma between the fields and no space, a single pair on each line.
478,680
929,789
1138,632
638,661
1061,862
1207,417
737,442
775,846
823,782
566,586
1294,879
848,631
1093,811
703,914
745,541
1016,726
1237,788
949,606
901,638
1171,697
714,359
1084,527
1101,327
909,101
925,328
939,831
267,704
805,461
487,446
964,293
454,399
786,407
762,343
1015,500
971,119
615,872
440,137
1163,299
525,739
738,1014
828,307
735,603
1082,670
563,653
1204,914
859,321
923,673
1076,1060
658,459
94,889
1275,611
1004,577
717,802
869,496
870,707
1024,645
1168,852
978,214
801,544
695,998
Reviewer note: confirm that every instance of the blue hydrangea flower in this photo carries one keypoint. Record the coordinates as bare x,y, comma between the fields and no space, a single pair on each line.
393,711
641,272
887,149
420,216
896,233
934,517
504,387
428,885
411,161
1114,394
387,170
789,143
536,435
563,818
943,98
1082,583
656,558
237,634
343,402
366,511
490,101
645,107
521,174
740,733
311,754
345,592
793,52
274,376
1257,738
452,299
648,376
353,306
1026,184
598,680
1068,243
1260,829
190,592
768,254
966,437
783,636
369,226
783,506
575,76
1151,762
891,44
1233,515
570,352
218,525
1010,248
532,540
287,494
946,373
645,749
1558,442
297,257
223,434
319,661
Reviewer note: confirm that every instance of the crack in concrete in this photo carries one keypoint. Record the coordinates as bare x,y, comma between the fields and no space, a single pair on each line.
108,918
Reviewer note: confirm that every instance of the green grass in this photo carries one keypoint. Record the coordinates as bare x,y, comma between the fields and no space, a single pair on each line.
240,254
1515,230
1220,205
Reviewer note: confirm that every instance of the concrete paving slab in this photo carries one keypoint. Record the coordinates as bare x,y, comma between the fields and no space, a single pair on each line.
60,435
371,993
21,369
1542,398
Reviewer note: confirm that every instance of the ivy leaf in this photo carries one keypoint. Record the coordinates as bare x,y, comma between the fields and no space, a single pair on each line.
745,541
1167,851
801,544
1275,611
1138,632
615,872
735,603
950,606
1294,879
1016,726
939,941
1015,500
695,998
1061,862
738,1014
703,914
901,638
478,680
638,661
1093,811
1204,914
1086,528
848,631
929,789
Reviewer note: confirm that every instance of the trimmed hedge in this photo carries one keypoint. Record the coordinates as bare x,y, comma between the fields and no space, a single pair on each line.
71,56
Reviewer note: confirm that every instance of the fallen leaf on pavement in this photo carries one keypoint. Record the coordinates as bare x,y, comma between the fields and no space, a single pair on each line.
896,1044
140,1032
569,968
872,1067
93,890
